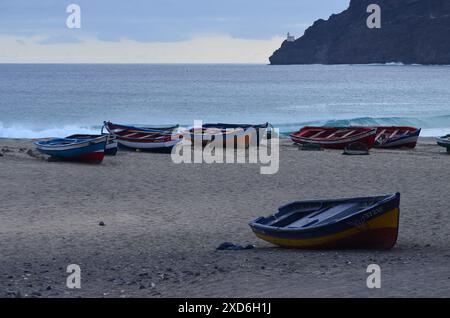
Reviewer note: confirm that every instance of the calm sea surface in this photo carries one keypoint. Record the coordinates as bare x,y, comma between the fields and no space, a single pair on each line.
57,100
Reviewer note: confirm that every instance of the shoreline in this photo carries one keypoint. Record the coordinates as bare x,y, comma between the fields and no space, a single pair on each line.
282,137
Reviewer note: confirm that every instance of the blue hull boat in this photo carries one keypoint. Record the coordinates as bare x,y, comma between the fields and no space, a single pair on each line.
72,149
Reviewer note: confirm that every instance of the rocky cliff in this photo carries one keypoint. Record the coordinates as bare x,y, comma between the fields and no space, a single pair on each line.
412,32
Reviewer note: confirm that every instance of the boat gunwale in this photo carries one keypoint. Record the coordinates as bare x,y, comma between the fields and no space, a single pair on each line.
243,126
160,136
78,143
336,140
161,132
141,128
385,199
444,139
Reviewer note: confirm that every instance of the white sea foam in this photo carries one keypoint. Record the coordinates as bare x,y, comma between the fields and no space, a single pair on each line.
432,127
20,131
435,132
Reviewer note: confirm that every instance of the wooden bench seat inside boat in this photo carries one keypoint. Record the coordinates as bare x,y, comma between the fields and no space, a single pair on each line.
300,219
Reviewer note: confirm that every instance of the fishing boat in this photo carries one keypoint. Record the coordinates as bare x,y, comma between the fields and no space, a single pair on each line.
396,137
90,150
229,134
444,141
144,137
111,143
367,223
334,137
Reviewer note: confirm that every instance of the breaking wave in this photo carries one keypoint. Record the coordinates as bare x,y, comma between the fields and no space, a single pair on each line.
431,126
20,131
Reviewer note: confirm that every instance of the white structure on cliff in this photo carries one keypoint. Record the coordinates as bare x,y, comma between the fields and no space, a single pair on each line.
290,38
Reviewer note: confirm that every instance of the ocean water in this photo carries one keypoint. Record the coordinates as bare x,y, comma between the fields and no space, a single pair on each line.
57,100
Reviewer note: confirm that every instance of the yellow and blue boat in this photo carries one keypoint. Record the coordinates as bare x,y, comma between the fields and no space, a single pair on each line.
365,223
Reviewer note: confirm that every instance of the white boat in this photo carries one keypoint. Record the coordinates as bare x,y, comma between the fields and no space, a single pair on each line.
144,138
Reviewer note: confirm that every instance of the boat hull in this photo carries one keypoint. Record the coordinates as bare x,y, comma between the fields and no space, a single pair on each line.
373,228
408,139
144,138
90,151
380,233
254,138
153,145
237,140
92,157
111,148
444,141
228,135
111,144
366,137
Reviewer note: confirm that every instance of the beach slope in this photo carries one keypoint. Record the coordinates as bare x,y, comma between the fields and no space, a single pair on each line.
162,223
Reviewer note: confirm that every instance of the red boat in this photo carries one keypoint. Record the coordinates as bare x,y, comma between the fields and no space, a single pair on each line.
335,137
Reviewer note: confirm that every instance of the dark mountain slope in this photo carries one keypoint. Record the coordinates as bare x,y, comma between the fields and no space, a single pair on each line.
412,32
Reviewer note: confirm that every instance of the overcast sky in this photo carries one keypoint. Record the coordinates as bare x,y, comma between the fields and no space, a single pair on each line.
154,31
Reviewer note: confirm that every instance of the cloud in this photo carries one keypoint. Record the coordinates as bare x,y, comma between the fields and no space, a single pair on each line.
199,49
152,21
60,39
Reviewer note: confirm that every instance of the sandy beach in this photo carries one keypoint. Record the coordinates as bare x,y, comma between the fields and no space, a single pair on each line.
163,222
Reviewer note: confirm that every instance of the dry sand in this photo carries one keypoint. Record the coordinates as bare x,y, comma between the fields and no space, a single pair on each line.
164,221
